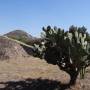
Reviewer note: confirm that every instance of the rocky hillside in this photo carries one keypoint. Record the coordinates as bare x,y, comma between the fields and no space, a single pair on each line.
16,44
10,49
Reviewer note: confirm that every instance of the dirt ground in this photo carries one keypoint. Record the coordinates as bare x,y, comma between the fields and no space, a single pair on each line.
34,70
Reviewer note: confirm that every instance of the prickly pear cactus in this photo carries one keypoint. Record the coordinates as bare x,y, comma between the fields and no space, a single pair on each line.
79,50
70,50
38,50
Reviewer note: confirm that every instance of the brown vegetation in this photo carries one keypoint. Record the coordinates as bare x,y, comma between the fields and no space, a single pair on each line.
32,72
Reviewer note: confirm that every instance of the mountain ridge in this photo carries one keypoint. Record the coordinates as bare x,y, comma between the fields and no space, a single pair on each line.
23,36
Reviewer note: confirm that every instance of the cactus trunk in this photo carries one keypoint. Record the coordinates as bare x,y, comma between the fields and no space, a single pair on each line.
82,73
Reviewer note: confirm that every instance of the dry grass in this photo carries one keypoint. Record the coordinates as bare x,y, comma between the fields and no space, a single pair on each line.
23,68
30,67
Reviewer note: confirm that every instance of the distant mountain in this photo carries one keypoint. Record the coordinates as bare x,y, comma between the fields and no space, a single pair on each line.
23,36
20,35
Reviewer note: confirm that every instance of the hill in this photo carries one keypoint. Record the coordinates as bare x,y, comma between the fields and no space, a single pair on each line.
23,36
10,49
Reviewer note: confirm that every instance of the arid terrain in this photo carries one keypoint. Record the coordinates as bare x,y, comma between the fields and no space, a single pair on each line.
19,70
34,74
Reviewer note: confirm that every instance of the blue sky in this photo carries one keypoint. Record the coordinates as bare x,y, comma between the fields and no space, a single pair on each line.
32,15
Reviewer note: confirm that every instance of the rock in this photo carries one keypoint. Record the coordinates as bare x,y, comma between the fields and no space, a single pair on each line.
10,49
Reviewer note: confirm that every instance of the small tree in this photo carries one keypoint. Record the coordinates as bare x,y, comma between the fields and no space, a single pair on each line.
70,50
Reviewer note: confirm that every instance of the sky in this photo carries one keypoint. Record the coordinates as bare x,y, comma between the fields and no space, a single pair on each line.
32,15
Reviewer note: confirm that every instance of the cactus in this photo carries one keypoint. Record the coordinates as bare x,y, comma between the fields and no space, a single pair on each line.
39,49
69,50
81,41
